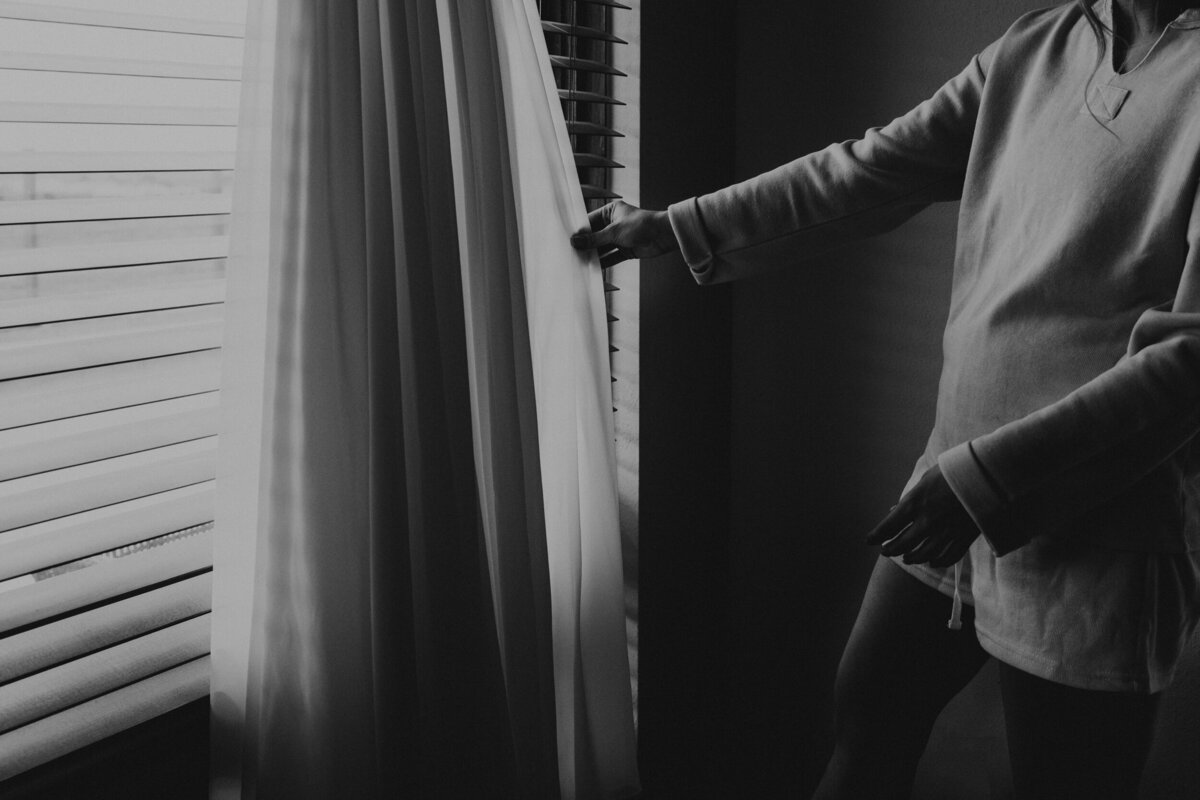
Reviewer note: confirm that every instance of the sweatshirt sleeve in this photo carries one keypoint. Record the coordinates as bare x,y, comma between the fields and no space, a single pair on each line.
1043,470
845,192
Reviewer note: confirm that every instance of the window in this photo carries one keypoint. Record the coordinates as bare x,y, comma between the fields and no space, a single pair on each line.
118,123
117,137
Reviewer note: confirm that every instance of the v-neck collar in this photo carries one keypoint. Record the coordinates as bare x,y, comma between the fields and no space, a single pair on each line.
1189,18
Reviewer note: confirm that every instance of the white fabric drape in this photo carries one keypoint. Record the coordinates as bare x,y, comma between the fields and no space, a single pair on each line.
417,584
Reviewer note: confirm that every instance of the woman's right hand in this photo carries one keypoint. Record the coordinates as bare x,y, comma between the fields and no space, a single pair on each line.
620,231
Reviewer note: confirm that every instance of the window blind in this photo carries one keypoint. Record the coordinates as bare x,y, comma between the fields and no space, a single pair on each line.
117,133
579,39
594,49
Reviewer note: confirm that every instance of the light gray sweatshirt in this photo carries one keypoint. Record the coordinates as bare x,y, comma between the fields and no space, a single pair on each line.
1069,399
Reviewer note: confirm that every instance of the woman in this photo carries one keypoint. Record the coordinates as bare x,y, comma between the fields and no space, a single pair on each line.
1058,495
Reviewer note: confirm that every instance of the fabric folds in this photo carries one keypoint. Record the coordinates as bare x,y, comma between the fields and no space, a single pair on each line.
418,579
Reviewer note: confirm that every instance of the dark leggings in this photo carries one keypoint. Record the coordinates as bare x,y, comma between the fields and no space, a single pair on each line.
902,665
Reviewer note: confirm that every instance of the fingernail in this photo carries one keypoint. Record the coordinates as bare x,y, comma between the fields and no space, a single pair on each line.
577,241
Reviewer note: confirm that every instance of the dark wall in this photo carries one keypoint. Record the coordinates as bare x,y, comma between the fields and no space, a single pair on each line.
687,148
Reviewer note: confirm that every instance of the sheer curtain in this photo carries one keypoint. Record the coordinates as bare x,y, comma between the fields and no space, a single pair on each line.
417,582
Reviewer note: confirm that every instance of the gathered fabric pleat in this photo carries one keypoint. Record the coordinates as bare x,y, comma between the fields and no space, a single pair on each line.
418,579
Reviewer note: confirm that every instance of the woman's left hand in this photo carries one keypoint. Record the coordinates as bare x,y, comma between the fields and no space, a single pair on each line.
929,524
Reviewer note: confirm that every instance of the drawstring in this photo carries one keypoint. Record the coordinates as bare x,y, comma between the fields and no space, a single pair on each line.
955,622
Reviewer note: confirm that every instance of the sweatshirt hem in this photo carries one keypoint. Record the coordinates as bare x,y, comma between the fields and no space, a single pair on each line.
1053,670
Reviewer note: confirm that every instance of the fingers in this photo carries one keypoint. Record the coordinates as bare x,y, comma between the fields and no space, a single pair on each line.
598,240
923,543
938,554
952,554
602,217
928,525
932,546
601,233
602,238
899,518
594,241
906,540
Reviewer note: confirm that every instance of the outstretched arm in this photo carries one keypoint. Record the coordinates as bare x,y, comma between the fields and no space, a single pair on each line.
845,192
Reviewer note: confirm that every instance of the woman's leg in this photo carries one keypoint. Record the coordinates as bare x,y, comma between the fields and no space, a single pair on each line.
900,668
1068,743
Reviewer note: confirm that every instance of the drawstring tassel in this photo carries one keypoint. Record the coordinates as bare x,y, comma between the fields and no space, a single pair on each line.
955,622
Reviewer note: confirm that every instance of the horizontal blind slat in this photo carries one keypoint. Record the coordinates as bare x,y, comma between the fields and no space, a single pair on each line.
45,397
581,31
582,128
92,65
578,96
21,212
75,345
146,322
32,137
89,631
123,93
585,65
42,694
48,495
75,590
83,352
58,308
31,449
55,38
48,645
593,161
43,741
46,12
57,541
134,278
111,254
593,192
117,115
186,161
